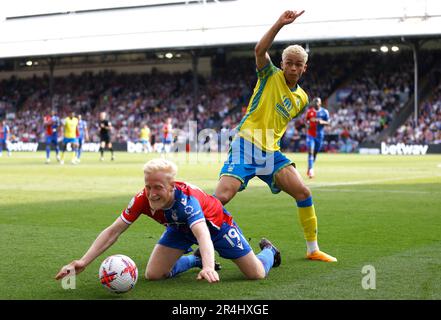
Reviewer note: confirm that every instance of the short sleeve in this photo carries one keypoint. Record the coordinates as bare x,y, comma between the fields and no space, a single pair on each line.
267,71
193,212
134,209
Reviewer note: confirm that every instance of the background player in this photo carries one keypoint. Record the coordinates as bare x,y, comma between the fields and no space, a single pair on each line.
105,136
52,125
145,138
317,118
167,135
192,217
255,151
70,125
83,135
4,137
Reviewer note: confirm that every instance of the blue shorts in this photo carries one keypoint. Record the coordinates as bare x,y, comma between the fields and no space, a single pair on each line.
52,140
70,140
229,241
245,161
314,144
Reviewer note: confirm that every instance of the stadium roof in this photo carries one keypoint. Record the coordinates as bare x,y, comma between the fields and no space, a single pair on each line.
39,28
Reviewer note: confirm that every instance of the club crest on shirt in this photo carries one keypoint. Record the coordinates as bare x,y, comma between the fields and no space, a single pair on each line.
188,210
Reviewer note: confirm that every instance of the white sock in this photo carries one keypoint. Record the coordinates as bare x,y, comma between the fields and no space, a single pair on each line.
312,246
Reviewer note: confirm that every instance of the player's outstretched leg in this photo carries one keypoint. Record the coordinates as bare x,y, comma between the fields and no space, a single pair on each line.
256,267
290,181
266,244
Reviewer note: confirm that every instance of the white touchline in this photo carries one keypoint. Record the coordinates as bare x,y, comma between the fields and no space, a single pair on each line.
377,191
349,183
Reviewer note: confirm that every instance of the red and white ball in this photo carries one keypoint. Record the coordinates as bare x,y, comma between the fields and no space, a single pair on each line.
118,273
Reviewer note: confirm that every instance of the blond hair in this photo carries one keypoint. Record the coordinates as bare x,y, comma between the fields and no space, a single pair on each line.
161,165
295,49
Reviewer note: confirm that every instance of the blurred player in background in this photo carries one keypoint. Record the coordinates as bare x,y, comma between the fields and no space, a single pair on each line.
70,127
144,137
255,151
317,118
52,125
83,135
191,216
105,127
4,137
167,135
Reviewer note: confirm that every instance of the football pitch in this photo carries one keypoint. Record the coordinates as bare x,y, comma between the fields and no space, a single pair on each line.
382,213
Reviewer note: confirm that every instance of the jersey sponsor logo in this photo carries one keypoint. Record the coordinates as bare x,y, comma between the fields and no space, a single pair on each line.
285,109
287,103
281,110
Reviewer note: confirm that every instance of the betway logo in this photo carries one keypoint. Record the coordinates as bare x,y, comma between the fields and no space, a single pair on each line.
404,149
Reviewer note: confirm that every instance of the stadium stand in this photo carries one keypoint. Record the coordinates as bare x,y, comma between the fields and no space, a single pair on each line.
366,92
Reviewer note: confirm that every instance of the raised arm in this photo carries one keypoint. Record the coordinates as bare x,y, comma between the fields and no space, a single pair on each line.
106,238
262,47
202,234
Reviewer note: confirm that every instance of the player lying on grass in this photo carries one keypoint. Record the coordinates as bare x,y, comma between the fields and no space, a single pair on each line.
255,151
191,216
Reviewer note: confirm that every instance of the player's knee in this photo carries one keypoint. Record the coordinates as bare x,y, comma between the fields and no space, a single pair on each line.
154,276
224,196
303,193
255,275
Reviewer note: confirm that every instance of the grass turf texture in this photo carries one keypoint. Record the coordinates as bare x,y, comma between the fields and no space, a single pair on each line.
383,211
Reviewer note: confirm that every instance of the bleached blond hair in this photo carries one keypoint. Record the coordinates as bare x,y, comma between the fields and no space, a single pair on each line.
161,165
295,49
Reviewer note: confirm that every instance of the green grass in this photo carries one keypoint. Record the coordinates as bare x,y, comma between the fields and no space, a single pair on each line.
372,210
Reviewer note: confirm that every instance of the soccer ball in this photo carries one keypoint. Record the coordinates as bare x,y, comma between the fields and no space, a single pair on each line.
118,273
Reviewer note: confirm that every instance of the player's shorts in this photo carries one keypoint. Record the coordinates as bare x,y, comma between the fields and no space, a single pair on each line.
105,138
245,161
53,139
314,143
80,141
167,141
143,141
70,140
229,241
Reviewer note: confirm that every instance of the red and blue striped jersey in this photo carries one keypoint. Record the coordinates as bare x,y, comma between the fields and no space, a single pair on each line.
4,131
315,129
191,205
